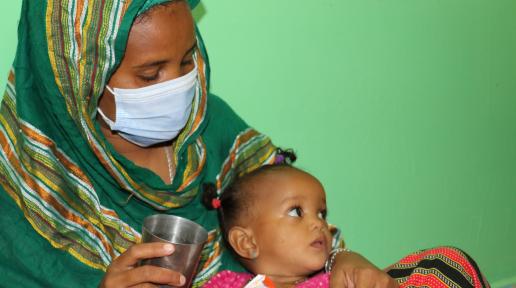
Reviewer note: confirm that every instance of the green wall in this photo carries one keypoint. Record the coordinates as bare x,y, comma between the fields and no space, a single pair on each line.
405,110
9,15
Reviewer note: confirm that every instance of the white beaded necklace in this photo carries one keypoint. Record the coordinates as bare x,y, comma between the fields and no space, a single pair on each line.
169,161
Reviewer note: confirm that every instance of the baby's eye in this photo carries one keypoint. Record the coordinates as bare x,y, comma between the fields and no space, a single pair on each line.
295,212
322,214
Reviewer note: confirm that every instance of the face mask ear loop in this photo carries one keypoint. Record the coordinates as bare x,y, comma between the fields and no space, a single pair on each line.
110,90
108,121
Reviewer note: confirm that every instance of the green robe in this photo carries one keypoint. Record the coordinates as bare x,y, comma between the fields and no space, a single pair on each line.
69,202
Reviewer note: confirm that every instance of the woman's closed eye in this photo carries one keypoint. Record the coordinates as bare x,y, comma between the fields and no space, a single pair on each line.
295,212
149,75
189,55
149,78
187,62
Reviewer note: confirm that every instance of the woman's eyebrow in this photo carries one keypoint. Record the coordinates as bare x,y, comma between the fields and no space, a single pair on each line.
160,62
150,64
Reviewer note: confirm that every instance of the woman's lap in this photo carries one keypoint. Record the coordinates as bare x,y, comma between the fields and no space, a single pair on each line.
437,267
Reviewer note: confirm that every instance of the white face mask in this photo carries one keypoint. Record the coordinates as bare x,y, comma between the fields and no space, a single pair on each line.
153,114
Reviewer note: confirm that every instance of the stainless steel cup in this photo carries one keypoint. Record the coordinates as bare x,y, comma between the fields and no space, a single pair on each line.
187,236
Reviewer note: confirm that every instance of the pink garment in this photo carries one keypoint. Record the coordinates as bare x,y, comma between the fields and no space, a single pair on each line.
230,279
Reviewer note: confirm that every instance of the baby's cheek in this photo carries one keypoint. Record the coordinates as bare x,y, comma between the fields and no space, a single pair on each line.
330,242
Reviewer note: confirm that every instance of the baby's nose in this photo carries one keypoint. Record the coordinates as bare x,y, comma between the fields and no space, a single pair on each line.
318,224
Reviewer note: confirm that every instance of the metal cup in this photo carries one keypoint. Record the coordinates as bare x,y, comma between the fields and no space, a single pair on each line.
187,236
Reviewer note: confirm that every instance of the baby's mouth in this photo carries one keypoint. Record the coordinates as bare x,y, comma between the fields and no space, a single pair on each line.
319,243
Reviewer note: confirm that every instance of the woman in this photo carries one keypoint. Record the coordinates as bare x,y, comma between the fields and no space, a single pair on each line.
107,119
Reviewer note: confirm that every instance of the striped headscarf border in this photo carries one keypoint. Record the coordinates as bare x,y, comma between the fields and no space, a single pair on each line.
54,194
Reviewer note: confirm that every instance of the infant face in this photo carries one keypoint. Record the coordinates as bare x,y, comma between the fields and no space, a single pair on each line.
290,224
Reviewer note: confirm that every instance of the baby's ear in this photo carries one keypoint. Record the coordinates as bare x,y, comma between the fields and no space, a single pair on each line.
243,242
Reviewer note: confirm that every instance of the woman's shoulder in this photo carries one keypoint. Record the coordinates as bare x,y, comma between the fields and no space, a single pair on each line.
220,111
231,142
223,124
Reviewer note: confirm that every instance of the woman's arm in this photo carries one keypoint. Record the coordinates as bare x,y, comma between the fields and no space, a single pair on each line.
353,270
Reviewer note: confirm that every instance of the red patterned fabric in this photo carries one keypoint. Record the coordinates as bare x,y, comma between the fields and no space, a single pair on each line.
438,267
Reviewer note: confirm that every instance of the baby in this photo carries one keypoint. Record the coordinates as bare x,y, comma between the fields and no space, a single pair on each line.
274,219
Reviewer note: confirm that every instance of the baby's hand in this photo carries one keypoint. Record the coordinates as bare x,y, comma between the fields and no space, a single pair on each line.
351,270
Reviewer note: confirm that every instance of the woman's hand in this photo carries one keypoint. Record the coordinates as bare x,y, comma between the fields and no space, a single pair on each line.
352,270
123,271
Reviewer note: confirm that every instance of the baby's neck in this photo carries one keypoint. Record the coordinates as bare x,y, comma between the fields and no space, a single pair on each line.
282,281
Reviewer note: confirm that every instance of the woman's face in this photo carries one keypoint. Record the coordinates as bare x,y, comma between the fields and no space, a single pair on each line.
160,47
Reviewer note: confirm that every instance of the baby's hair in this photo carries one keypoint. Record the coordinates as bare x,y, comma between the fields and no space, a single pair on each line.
237,198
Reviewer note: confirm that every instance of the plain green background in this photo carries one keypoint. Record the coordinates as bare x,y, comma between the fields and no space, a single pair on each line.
404,109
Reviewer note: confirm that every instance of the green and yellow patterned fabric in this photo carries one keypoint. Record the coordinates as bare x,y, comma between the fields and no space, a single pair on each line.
69,202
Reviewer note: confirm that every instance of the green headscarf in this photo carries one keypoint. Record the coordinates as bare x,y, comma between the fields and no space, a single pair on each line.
73,188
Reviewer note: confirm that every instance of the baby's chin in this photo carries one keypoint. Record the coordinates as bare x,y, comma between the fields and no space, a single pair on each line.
312,266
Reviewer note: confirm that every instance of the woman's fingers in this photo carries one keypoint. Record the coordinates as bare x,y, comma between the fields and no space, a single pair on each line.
349,281
151,274
369,278
138,252
339,279
123,271
372,278
145,285
351,270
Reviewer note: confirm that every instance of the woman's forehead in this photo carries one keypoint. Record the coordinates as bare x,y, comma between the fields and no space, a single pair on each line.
168,32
